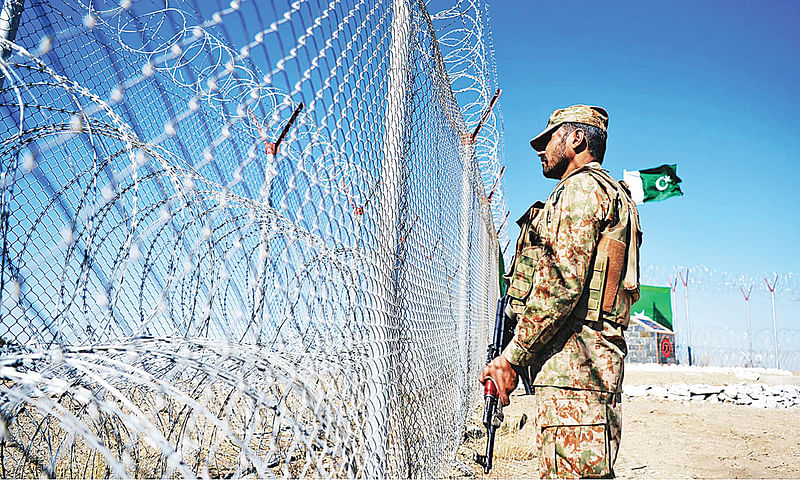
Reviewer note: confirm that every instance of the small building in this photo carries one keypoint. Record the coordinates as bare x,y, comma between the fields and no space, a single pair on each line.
649,341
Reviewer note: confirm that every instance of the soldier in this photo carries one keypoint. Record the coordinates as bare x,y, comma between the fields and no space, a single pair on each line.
572,283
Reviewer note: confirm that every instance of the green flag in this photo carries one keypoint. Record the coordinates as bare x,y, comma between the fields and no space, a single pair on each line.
653,184
655,303
501,270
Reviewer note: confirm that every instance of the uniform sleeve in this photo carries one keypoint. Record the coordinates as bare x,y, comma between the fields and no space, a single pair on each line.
569,240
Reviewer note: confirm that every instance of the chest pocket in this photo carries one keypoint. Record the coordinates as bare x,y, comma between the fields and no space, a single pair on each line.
529,251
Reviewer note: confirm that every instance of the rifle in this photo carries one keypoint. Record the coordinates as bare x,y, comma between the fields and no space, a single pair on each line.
492,408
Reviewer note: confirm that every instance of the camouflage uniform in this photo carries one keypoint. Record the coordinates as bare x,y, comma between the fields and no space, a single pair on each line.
573,281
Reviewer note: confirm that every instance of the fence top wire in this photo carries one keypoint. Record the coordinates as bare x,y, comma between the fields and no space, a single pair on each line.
712,280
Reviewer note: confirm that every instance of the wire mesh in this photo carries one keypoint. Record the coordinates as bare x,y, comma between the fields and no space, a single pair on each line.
728,344
730,347
244,239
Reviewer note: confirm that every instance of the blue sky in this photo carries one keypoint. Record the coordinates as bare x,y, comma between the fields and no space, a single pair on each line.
712,87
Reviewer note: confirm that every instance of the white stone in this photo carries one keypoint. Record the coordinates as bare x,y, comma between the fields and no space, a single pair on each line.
774,391
680,389
705,389
635,390
658,391
732,391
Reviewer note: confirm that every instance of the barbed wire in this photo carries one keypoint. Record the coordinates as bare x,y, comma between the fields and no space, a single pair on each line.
723,345
466,44
705,279
162,407
244,240
730,347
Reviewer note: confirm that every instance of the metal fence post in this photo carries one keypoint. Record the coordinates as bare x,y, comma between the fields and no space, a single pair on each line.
9,22
749,330
685,282
384,330
774,321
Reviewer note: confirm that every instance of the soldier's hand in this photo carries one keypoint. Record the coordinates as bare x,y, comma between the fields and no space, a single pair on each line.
504,376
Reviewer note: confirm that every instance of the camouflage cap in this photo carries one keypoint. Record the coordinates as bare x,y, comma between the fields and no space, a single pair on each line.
596,116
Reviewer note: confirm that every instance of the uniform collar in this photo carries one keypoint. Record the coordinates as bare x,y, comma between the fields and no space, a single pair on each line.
593,165
589,166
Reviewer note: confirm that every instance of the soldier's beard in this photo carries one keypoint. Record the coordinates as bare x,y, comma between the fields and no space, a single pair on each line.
557,166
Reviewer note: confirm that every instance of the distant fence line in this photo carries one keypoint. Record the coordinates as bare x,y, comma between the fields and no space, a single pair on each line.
730,347
725,345
705,279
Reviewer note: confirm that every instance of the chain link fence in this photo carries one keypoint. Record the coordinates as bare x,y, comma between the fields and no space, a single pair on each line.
246,238
730,347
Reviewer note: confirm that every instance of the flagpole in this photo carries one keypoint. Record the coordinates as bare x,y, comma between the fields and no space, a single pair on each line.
749,330
673,286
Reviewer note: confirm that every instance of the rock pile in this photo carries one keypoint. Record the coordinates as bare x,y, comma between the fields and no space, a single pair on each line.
755,395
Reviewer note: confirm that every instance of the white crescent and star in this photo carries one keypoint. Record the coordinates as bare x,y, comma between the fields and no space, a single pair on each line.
662,183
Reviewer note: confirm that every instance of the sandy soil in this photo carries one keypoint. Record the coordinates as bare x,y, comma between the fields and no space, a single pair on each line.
667,439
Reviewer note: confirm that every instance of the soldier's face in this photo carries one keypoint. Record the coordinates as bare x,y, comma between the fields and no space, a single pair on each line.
555,158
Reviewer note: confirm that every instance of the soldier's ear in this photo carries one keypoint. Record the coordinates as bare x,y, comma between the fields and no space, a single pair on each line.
578,140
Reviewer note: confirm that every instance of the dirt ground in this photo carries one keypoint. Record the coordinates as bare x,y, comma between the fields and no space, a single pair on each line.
664,438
